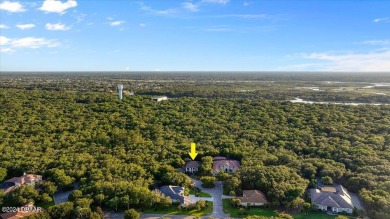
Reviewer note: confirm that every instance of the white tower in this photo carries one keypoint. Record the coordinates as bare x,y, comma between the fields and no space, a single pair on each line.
120,89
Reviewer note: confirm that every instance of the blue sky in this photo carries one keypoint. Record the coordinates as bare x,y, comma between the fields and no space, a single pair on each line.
209,35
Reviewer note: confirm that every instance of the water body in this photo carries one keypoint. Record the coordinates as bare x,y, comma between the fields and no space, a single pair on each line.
298,100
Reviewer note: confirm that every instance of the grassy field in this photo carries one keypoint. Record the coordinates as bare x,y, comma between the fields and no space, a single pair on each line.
175,211
234,212
200,194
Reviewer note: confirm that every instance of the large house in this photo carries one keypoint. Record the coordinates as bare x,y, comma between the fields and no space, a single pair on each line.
223,164
176,193
335,199
252,198
25,179
192,166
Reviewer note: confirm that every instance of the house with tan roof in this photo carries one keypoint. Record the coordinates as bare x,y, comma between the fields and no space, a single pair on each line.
223,164
25,179
252,198
335,199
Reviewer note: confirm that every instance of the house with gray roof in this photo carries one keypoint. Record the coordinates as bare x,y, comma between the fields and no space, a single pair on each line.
335,199
176,193
192,166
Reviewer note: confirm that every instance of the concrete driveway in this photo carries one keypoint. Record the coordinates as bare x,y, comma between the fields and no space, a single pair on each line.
113,215
216,193
356,201
193,198
61,196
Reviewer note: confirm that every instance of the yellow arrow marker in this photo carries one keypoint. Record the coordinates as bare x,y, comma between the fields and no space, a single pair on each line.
193,153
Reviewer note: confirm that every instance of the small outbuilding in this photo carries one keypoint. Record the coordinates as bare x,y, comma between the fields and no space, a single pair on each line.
160,98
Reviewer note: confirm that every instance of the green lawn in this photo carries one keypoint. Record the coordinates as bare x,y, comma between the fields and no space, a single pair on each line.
175,211
314,215
200,194
234,212
260,211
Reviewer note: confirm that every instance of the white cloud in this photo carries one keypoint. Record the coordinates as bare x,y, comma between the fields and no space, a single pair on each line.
244,16
376,42
2,26
117,23
56,6
80,18
385,19
25,26
6,50
190,6
156,12
33,43
9,45
246,3
4,40
373,61
11,6
57,26
218,29
142,25
216,1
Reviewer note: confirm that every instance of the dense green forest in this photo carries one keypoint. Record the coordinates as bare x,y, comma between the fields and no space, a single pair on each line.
119,151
